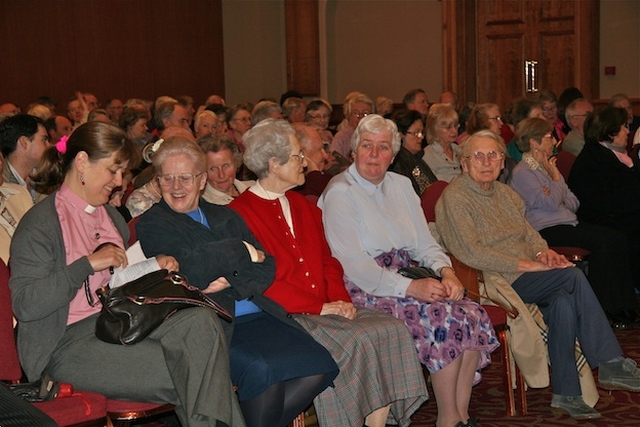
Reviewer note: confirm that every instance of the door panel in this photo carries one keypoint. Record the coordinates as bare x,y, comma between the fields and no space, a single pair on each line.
503,56
554,10
500,12
561,36
556,61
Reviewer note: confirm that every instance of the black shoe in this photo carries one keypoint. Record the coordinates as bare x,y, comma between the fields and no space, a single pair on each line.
622,375
574,406
472,422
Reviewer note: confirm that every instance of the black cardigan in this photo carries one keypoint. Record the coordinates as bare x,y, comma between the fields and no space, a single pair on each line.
608,190
206,254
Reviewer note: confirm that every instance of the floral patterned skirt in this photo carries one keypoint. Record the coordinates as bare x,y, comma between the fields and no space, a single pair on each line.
441,331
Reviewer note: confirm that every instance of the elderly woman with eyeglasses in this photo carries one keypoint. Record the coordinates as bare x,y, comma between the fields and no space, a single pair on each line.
408,161
277,366
355,108
378,369
375,226
483,116
442,152
319,114
238,123
482,222
550,113
551,210
59,260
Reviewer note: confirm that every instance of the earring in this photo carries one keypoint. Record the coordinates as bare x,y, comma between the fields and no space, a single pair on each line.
82,179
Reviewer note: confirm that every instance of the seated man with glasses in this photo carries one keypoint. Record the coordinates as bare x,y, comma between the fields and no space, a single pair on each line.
482,223
576,114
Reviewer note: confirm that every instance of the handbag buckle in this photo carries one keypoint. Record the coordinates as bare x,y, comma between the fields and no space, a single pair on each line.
177,279
139,300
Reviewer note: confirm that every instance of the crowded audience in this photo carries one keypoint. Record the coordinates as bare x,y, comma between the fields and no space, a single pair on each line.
320,308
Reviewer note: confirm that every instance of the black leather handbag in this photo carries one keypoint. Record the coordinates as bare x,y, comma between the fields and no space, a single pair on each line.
132,311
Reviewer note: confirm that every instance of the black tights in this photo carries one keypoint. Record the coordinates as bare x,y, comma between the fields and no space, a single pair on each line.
278,405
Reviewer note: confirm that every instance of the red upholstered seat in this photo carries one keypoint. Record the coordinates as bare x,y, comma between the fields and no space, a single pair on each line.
127,406
9,364
497,315
564,162
471,279
122,412
77,409
430,197
84,408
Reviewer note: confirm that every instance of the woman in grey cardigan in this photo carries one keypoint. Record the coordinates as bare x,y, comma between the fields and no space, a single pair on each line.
56,269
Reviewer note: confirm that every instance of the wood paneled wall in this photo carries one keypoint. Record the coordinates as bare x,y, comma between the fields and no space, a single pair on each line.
112,48
303,44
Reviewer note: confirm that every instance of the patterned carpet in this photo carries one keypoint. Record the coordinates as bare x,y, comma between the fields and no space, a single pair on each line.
618,408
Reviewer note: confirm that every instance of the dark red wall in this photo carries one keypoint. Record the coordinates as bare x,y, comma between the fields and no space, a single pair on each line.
112,48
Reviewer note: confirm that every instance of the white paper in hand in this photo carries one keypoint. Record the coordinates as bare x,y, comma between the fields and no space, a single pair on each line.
139,265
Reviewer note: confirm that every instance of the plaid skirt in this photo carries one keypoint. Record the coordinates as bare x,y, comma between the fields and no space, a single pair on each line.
378,367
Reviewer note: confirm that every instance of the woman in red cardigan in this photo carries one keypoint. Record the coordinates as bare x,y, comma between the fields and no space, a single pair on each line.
379,372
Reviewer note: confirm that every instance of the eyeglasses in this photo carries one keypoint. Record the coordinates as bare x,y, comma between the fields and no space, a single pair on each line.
243,119
496,118
360,114
300,156
550,110
319,116
418,134
185,179
492,156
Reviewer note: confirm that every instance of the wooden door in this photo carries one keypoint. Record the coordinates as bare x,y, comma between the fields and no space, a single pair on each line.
503,28
559,38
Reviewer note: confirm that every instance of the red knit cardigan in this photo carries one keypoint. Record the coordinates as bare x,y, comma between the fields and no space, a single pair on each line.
307,276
